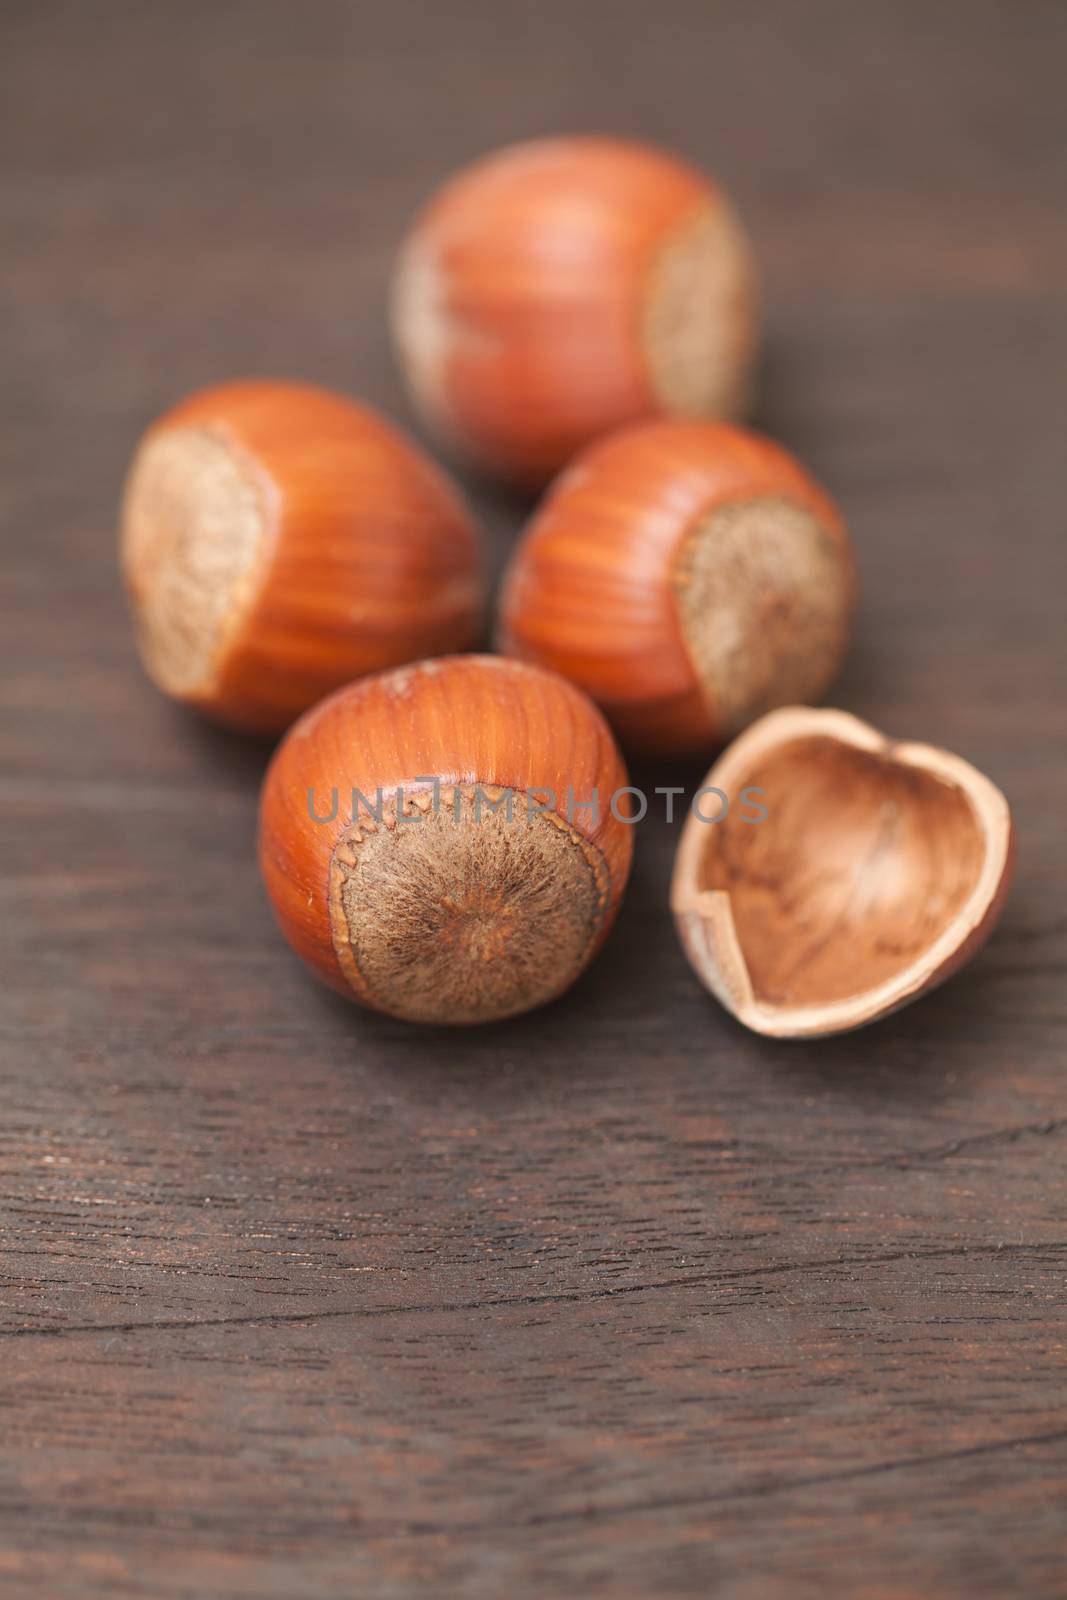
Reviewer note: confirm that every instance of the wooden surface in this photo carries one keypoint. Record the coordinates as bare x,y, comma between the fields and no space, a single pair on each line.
616,1300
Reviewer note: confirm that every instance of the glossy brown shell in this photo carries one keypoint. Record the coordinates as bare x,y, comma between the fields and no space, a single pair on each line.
369,556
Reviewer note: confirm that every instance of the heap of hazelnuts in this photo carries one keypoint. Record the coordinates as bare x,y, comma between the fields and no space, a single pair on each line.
441,833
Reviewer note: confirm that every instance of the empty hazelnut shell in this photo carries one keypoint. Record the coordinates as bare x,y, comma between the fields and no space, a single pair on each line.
878,870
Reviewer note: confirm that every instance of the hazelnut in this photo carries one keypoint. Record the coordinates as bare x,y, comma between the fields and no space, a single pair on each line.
878,870
689,576
472,852
279,540
560,288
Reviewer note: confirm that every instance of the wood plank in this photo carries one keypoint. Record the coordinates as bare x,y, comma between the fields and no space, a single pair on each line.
616,1299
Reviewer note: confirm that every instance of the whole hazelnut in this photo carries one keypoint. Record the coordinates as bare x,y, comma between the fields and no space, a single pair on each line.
560,288
689,576
446,842
279,540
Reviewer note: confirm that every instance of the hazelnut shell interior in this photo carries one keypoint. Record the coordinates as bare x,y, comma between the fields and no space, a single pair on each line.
878,871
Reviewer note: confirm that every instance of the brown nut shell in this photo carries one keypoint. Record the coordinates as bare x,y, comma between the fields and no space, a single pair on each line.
561,288
449,905
879,870
279,540
689,576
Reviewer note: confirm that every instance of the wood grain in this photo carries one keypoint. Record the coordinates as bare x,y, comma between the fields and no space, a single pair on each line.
615,1299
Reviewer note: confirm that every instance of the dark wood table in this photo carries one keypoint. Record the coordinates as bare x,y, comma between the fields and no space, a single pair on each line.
617,1299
